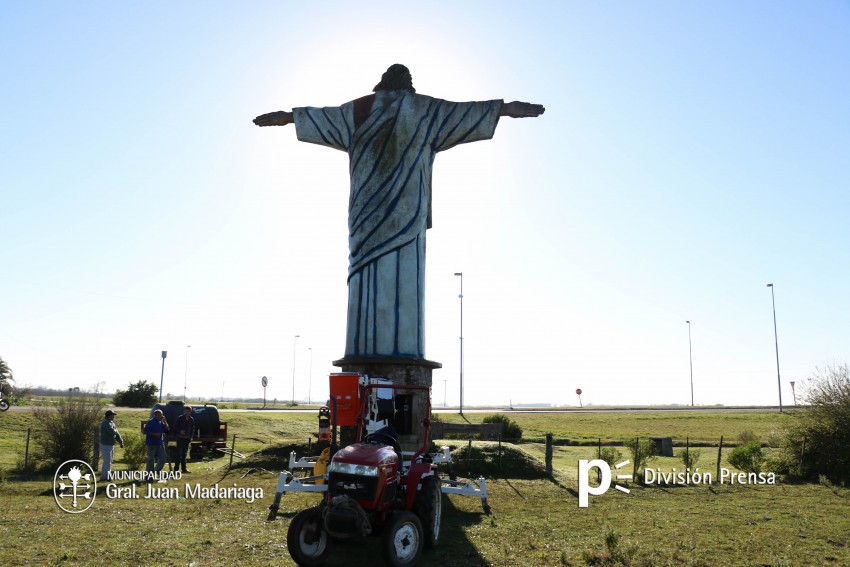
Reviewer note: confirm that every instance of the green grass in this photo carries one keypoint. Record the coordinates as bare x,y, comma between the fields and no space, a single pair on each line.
534,521
253,430
705,426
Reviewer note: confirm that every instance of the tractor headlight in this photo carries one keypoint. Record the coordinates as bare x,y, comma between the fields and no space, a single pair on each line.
351,468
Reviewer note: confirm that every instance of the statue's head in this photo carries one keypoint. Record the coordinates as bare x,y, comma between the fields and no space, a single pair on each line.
397,78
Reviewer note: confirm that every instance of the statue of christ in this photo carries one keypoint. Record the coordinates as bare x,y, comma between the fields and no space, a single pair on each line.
392,137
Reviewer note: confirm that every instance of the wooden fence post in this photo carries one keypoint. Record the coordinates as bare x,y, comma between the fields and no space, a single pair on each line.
802,454
95,457
637,459
468,454
599,456
27,450
719,457
549,454
232,448
500,451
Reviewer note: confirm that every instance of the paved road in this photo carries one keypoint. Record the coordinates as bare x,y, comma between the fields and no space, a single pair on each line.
683,409
549,410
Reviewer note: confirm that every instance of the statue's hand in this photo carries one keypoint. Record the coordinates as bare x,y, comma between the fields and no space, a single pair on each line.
279,118
518,109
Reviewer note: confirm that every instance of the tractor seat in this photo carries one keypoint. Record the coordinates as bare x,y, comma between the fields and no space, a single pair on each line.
386,436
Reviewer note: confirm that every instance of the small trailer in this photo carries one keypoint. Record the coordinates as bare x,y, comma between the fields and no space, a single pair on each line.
210,432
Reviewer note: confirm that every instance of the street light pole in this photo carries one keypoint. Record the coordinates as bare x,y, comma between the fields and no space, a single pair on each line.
691,356
162,374
294,344
776,340
461,340
186,372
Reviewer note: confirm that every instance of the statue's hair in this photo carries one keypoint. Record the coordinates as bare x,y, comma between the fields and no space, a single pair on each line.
396,78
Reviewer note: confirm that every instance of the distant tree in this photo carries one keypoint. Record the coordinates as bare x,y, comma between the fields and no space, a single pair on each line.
610,455
511,430
135,452
142,394
818,444
68,430
748,457
641,451
689,457
5,378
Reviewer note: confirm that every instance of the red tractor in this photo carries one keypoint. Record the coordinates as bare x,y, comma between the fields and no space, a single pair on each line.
371,487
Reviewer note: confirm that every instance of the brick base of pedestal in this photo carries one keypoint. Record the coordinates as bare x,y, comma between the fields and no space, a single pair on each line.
401,371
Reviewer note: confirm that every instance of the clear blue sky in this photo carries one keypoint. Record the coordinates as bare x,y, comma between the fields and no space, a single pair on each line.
690,154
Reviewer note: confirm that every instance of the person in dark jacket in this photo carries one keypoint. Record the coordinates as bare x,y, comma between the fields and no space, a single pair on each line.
108,436
184,428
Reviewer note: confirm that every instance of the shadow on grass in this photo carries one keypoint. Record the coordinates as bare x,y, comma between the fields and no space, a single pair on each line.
454,550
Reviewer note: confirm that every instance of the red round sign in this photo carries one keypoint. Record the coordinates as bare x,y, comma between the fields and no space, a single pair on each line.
578,391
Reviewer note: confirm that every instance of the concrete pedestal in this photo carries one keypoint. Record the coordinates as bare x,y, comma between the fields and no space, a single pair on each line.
411,406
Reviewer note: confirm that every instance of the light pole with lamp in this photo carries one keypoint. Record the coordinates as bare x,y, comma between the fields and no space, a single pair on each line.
691,356
310,378
776,340
162,375
461,340
294,344
186,372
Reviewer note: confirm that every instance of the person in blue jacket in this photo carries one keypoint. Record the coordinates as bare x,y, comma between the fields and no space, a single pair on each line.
155,430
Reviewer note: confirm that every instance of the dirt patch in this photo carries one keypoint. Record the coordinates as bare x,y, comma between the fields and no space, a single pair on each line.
276,457
492,461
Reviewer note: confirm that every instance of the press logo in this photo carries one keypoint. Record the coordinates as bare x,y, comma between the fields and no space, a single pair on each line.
74,486
584,488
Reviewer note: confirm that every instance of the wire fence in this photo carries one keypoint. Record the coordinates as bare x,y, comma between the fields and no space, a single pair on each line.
550,457
557,458
29,454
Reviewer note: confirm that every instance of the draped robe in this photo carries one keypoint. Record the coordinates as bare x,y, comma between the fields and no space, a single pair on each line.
391,147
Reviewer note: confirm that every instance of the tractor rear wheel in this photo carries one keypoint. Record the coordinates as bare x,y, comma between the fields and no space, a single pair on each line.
429,508
4,405
306,538
403,539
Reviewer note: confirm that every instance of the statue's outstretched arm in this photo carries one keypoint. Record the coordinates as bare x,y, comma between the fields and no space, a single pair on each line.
518,109
278,118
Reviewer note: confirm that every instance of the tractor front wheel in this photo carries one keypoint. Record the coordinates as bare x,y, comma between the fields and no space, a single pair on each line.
429,507
4,405
403,539
306,538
